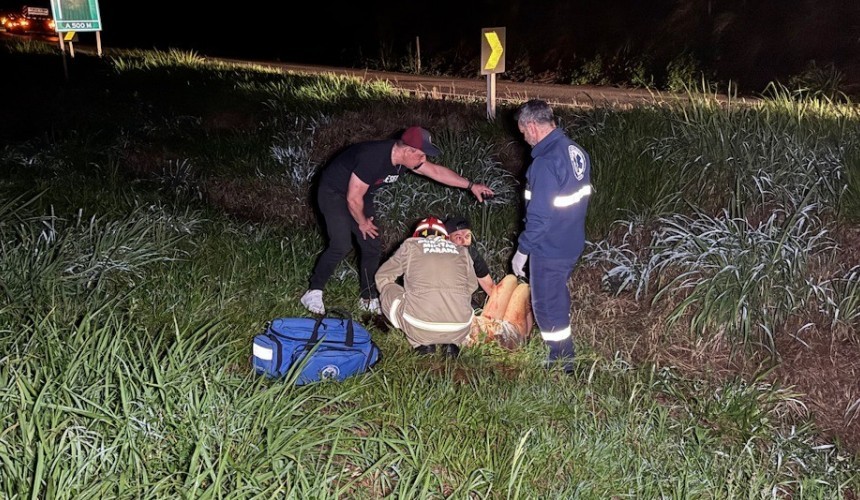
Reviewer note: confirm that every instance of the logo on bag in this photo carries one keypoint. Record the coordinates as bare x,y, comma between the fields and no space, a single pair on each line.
329,371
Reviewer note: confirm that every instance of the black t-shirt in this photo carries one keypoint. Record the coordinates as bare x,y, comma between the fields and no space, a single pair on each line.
370,161
481,268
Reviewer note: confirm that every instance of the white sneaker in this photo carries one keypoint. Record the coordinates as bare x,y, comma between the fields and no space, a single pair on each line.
369,305
313,302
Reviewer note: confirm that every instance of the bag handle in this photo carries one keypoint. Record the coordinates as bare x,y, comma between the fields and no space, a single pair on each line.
335,314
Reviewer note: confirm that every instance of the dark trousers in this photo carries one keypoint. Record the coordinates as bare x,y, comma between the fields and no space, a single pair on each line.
550,296
341,229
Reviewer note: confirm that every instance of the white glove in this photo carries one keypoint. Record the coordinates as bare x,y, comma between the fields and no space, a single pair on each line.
518,263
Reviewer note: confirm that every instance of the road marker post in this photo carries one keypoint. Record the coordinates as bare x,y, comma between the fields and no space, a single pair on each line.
492,62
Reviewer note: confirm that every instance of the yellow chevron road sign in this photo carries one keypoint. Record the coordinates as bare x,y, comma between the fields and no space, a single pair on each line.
492,50
70,36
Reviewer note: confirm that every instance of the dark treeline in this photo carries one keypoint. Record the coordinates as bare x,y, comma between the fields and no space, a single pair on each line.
750,42
747,41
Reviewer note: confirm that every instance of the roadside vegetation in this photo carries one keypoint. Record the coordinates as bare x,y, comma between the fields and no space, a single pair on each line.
680,71
155,212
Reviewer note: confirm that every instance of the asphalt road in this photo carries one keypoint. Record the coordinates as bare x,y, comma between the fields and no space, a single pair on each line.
477,88
444,87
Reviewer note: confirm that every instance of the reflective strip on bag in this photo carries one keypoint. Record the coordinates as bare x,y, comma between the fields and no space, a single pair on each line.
263,353
556,336
436,327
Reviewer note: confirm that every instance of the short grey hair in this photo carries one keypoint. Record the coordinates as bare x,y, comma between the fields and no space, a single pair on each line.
535,110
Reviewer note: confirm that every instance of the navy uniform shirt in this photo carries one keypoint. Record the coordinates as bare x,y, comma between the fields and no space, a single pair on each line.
557,193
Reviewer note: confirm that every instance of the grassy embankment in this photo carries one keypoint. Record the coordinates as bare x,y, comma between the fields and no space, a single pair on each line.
155,214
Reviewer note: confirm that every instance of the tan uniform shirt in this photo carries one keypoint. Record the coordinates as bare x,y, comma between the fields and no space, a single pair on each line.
434,304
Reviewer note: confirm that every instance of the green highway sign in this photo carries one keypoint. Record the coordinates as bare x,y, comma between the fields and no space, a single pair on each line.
76,15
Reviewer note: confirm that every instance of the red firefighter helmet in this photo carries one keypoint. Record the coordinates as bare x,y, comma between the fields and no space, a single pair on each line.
430,226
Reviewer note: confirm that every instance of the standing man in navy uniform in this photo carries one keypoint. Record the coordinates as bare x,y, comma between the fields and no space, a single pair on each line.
346,199
558,188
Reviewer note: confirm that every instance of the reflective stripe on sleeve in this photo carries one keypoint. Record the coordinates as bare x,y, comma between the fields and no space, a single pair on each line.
436,327
556,336
567,200
572,199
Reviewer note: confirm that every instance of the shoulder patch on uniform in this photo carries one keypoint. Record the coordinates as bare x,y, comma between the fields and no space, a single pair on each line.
577,161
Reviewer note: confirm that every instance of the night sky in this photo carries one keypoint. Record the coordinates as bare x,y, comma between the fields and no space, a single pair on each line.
752,40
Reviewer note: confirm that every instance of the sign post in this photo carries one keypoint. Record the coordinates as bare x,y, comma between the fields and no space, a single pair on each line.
78,15
492,62
71,37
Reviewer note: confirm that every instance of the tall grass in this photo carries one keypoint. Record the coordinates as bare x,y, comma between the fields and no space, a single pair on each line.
774,177
129,60
117,410
302,92
718,147
626,178
125,331
742,281
29,46
150,394
727,276
50,257
414,197
840,300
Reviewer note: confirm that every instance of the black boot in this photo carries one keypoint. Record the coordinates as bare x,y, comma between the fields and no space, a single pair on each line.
378,320
425,350
561,354
450,350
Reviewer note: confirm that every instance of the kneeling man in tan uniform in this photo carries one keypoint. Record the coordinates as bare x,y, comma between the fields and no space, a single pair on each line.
433,307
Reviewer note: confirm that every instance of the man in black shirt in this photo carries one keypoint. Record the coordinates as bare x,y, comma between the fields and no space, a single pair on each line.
460,232
345,196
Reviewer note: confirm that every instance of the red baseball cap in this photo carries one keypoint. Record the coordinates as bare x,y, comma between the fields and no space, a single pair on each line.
419,138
